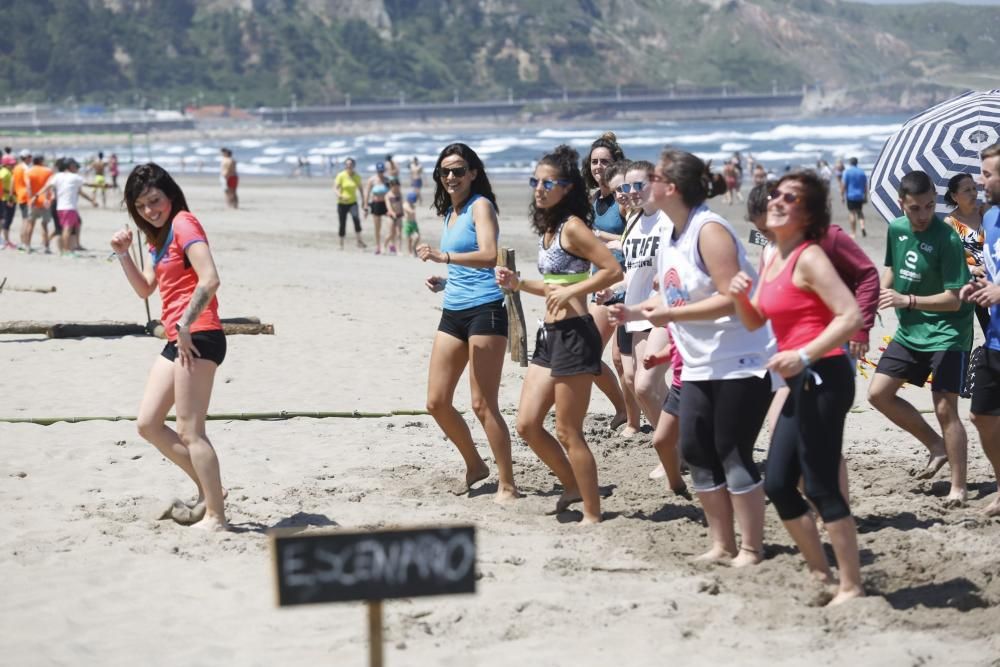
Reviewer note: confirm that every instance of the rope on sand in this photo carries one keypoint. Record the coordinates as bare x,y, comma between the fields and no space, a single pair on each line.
226,416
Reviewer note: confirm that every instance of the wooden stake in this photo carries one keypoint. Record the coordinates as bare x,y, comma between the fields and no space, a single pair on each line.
375,633
517,342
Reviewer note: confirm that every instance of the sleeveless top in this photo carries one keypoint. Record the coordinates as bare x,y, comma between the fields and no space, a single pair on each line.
610,221
641,246
380,188
467,287
797,315
720,349
972,240
557,265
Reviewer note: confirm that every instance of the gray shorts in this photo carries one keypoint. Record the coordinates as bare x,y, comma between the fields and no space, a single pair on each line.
43,214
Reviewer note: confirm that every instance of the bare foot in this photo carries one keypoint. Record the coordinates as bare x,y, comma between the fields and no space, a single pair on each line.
471,478
956,499
589,519
628,431
846,595
716,554
564,502
618,420
746,557
201,497
934,463
657,472
506,494
212,524
993,509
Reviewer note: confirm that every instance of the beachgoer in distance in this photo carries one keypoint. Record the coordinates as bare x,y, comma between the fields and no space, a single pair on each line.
967,221
417,177
183,270
724,364
40,204
20,184
113,169
854,192
67,185
8,201
230,179
97,167
347,185
394,209
985,293
609,223
375,191
473,327
813,314
391,168
410,228
925,269
568,346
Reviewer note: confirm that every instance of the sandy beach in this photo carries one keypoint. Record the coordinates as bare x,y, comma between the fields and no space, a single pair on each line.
92,578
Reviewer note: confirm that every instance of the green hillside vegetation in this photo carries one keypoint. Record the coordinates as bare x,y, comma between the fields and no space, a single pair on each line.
320,51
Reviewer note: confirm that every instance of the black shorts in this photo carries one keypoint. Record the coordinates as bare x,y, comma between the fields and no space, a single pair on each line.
569,347
624,340
8,213
378,208
986,387
211,345
672,405
488,319
855,206
948,367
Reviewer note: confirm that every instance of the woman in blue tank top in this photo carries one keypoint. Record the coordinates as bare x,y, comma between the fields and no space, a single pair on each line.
473,327
609,223
568,347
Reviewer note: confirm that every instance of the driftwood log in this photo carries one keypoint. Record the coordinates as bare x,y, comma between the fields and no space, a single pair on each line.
234,326
517,341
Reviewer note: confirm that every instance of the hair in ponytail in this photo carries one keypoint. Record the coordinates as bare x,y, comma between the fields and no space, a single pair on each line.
692,177
576,202
609,141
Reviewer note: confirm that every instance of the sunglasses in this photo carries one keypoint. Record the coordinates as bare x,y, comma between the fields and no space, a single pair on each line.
445,172
626,188
787,197
547,184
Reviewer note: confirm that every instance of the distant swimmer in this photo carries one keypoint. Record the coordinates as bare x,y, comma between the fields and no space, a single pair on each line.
230,179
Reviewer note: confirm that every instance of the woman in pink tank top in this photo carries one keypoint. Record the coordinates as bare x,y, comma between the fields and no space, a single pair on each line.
813,315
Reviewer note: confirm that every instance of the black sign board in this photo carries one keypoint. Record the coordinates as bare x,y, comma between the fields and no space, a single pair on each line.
377,565
757,238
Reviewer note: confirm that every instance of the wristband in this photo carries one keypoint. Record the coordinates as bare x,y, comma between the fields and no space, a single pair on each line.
804,357
122,255
447,259
913,302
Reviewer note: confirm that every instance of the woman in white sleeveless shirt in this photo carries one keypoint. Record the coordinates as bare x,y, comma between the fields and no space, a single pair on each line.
725,392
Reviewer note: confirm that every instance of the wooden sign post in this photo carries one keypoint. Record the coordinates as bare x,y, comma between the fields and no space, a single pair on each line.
517,342
373,566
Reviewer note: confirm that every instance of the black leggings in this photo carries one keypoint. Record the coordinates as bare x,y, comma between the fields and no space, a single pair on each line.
342,211
719,423
808,441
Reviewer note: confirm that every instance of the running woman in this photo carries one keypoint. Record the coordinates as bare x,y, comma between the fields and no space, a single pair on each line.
473,327
183,270
813,314
724,364
568,346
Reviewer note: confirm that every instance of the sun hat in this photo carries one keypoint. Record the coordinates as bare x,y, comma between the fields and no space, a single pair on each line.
25,152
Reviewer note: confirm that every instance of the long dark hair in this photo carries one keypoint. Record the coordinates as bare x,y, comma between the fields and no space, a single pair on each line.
815,201
953,184
480,185
576,202
692,177
152,175
607,140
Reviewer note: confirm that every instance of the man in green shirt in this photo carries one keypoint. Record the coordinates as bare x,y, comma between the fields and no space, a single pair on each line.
925,269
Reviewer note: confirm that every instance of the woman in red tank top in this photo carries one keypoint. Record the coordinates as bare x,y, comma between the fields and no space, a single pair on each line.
813,315
182,269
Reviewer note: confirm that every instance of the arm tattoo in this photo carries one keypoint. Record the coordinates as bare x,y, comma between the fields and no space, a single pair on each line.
199,300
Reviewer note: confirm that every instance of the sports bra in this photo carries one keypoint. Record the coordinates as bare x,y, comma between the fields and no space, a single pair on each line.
557,265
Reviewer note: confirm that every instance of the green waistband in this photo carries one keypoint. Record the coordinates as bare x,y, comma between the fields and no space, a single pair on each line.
564,278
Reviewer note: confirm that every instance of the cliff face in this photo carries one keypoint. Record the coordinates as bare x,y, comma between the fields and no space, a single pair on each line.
319,51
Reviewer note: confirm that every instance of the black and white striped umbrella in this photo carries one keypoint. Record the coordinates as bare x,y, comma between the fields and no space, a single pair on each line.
943,141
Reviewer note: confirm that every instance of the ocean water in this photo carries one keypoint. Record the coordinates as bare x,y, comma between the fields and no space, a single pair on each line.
510,152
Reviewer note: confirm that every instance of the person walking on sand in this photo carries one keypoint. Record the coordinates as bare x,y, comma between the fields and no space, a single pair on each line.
67,185
347,185
417,177
925,269
473,328
375,191
967,221
100,182
113,169
394,210
609,224
813,314
40,204
410,228
183,270
854,193
985,293
568,346
8,201
230,179
19,178
724,364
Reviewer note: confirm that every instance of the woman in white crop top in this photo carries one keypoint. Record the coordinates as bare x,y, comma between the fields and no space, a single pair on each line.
725,391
